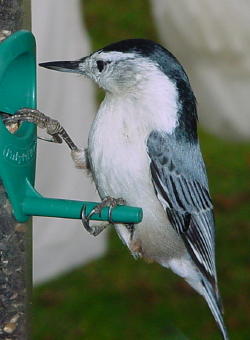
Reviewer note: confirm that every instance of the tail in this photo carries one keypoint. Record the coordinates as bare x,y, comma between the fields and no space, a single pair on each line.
215,306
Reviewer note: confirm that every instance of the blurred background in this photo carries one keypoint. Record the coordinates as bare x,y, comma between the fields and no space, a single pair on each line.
91,288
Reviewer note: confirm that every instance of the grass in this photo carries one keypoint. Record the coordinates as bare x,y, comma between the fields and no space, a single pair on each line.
109,21
117,297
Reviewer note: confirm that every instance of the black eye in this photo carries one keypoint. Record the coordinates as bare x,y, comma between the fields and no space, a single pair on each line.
100,65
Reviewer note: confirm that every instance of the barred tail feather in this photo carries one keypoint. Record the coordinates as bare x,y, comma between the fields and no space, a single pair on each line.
215,306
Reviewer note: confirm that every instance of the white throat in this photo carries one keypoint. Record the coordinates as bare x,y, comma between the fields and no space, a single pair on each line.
152,105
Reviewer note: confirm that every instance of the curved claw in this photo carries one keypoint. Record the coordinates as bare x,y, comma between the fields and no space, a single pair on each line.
93,211
85,220
97,210
54,139
94,230
107,202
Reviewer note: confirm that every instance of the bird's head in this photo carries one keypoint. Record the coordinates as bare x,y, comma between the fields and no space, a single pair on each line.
144,69
125,65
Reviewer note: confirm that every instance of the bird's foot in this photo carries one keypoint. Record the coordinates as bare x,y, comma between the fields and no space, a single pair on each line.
109,202
52,126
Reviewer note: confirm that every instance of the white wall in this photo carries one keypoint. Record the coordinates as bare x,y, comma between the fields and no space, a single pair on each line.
61,244
212,40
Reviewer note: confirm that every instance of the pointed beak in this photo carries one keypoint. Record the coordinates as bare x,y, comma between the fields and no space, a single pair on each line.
65,66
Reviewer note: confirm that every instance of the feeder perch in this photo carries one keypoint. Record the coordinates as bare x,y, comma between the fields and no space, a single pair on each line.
18,150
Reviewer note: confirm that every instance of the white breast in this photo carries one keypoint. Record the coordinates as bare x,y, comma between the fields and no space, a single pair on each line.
119,159
118,137
117,149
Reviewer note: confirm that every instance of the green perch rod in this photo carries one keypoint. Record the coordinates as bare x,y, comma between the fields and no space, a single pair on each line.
53,207
33,204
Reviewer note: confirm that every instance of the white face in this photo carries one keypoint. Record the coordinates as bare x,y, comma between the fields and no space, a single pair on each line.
118,72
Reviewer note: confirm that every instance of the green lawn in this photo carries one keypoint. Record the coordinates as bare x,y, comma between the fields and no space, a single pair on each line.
117,297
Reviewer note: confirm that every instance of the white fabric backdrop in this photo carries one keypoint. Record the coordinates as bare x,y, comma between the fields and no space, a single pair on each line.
212,40
62,244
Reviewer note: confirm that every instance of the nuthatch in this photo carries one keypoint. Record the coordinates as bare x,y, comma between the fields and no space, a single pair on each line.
143,147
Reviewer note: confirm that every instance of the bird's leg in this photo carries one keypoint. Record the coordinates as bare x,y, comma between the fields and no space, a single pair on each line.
52,126
80,158
109,202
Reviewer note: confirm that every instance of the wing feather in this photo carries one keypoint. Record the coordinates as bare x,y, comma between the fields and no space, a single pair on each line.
180,183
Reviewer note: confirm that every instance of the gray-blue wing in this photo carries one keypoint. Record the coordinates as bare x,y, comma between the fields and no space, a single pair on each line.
180,183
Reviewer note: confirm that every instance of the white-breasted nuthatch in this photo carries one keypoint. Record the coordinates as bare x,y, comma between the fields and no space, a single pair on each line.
143,147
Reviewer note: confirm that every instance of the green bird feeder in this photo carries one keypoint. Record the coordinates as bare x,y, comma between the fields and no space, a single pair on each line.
18,150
